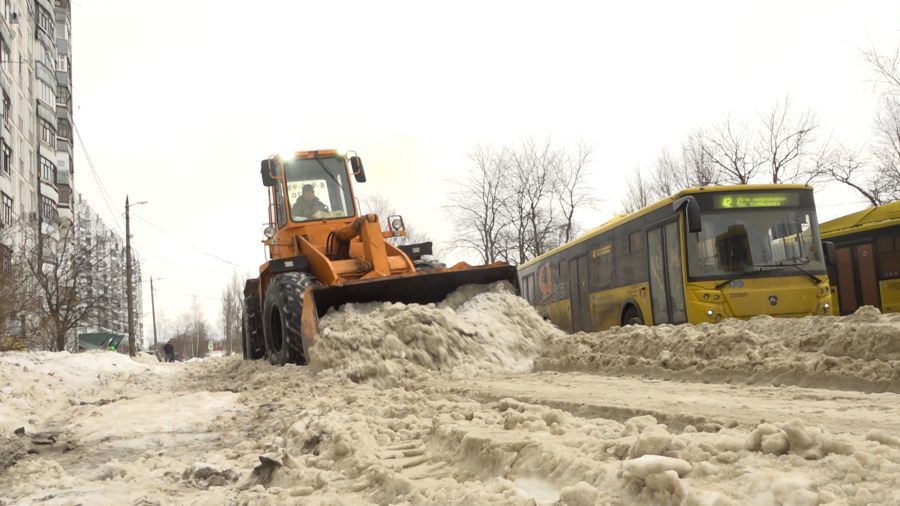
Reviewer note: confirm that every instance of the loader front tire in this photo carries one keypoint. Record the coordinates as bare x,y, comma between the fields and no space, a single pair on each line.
251,329
281,318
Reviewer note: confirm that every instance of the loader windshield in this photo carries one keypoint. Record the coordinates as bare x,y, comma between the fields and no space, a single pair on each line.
318,189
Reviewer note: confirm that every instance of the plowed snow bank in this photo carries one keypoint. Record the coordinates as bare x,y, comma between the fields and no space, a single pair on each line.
476,329
855,352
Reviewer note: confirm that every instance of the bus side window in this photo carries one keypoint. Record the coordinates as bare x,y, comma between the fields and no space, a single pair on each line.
634,242
527,291
889,256
561,283
602,273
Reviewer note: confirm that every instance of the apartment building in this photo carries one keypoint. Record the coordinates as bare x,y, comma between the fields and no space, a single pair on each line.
35,79
108,279
37,152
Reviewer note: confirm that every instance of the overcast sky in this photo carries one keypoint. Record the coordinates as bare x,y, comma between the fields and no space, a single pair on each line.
178,100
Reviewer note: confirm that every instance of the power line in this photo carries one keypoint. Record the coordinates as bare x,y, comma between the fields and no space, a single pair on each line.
103,193
173,236
188,295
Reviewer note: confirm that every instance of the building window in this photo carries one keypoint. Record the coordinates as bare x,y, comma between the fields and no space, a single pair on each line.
48,170
46,94
5,158
48,134
48,209
46,56
62,63
4,52
6,212
65,129
62,95
44,21
7,108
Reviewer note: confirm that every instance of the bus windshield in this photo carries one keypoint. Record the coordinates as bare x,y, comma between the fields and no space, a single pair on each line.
318,189
744,240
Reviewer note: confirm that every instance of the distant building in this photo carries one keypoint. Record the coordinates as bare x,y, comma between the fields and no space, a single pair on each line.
108,249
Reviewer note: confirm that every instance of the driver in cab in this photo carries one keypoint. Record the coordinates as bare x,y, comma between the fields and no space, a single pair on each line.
308,204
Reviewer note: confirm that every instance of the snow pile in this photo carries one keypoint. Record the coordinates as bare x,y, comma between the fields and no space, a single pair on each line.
476,329
38,382
857,352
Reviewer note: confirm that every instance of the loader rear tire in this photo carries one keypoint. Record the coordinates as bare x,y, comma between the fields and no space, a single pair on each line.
251,329
281,318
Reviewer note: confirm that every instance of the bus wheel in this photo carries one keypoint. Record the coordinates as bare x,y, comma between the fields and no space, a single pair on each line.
632,316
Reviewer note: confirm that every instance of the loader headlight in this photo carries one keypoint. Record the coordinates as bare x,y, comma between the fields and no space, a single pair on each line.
269,232
396,223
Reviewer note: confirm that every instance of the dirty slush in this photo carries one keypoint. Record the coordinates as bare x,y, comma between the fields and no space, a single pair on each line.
475,400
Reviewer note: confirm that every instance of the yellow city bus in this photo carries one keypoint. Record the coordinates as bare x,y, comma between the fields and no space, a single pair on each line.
867,267
699,256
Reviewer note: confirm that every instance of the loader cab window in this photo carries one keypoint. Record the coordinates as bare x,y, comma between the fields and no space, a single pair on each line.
318,189
279,205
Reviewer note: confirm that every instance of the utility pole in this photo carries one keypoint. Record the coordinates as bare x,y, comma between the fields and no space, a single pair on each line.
128,286
153,309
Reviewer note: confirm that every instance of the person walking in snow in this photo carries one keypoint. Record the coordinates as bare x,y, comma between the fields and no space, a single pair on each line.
169,350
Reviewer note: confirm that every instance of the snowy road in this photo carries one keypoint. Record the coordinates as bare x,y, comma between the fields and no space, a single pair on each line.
682,403
440,405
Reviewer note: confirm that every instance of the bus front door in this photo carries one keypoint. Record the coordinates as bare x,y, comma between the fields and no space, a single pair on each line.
857,278
666,283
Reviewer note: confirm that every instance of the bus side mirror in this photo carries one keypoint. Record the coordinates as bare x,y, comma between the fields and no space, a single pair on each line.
358,171
830,253
691,212
269,172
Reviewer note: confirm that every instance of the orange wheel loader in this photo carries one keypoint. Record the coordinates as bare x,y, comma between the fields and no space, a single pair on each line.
323,253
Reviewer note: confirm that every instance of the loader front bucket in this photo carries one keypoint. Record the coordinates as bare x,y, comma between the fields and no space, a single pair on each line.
417,288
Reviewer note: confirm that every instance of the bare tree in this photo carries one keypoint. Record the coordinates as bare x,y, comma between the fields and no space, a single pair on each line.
66,293
383,207
699,169
886,67
638,194
192,333
529,208
570,188
519,202
786,144
231,318
666,177
876,176
730,147
886,146
852,168
477,206
16,294
671,174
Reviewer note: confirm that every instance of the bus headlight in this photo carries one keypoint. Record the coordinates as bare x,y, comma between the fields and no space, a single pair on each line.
269,232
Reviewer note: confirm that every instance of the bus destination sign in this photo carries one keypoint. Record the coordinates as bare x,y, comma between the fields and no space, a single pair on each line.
748,200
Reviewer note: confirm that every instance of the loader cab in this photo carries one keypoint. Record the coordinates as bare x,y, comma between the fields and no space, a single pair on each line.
310,187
